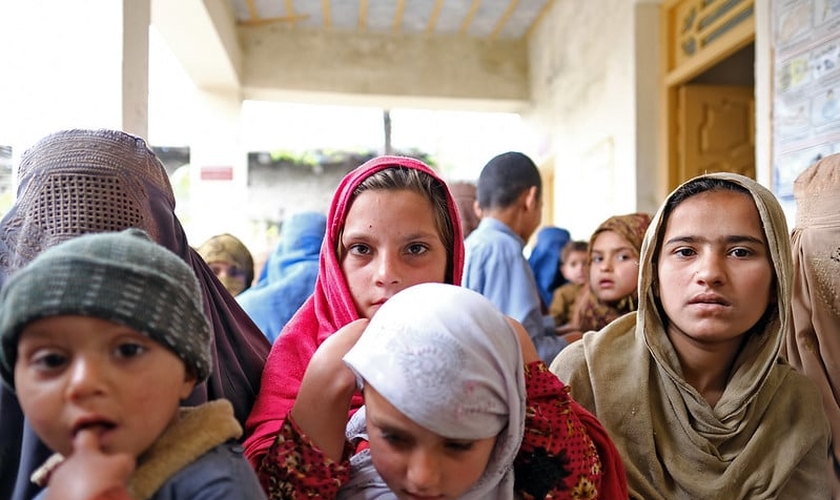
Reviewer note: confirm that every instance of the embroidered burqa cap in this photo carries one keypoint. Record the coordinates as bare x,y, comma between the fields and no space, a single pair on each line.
74,182
122,277
453,366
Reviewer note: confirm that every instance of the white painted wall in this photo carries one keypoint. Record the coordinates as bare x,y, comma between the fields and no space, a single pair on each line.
594,73
69,65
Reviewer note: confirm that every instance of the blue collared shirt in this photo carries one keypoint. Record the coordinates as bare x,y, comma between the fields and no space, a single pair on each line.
495,267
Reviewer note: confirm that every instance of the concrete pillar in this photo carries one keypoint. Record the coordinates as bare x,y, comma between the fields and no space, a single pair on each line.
218,168
72,65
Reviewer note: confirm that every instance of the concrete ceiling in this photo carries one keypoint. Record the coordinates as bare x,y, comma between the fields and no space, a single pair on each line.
463,54
508,19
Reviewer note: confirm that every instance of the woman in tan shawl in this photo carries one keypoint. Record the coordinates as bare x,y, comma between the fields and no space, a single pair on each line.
691,387
813,339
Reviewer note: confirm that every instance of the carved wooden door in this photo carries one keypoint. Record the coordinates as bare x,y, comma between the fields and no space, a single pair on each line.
716,131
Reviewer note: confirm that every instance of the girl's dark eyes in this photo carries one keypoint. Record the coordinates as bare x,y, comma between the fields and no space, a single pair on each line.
684,252
417,249
741,252
359,249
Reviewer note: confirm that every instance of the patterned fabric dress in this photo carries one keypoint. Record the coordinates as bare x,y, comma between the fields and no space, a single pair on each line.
435,364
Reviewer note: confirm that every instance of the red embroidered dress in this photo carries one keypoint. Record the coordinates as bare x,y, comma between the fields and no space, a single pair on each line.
565,453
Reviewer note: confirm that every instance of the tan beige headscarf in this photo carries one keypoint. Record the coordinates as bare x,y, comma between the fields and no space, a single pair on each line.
230,249
762,440
813,338
590,312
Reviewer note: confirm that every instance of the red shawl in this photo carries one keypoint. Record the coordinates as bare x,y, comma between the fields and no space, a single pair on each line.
328,309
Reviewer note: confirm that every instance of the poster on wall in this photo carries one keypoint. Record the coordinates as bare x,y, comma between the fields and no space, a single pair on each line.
806,97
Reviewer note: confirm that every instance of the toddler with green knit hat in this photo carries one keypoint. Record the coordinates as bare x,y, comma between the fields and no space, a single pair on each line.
101,337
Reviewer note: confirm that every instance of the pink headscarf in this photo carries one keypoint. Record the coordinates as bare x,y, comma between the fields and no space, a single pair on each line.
328,309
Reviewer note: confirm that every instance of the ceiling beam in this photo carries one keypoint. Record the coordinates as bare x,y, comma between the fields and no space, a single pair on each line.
284,59
202,35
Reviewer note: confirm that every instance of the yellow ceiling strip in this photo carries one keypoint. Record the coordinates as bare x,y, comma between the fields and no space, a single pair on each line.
252,9
271,20
430,28
537,20
504,19
470,15
363,14
290,11
398,16
325,13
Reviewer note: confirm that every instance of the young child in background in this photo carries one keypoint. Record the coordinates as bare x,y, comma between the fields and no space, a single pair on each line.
457,405
101,337
546,259
575,270
691,386
392,223
613,273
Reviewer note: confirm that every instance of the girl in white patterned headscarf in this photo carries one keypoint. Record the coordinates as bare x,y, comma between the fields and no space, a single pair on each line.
458,374
457,405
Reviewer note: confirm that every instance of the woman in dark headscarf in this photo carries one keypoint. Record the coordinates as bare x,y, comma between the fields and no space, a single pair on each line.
76,182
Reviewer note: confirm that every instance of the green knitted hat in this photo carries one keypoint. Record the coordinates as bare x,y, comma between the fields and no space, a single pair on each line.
122,277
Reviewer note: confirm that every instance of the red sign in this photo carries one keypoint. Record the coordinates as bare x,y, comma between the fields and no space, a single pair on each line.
217,173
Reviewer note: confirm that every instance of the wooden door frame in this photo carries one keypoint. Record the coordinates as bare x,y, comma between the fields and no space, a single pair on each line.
674,75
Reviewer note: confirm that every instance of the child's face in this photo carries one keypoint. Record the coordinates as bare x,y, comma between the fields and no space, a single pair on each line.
574,268
391,243
615,267
80,372
231,276
714,270
415,462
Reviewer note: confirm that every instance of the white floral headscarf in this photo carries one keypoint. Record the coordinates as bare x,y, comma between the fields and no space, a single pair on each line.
447,359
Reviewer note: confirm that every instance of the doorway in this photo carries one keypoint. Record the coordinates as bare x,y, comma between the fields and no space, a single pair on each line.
709,88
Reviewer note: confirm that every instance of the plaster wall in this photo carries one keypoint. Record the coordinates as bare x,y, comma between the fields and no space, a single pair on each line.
594,73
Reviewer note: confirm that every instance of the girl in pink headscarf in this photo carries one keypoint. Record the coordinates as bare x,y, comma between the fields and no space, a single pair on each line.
392,224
